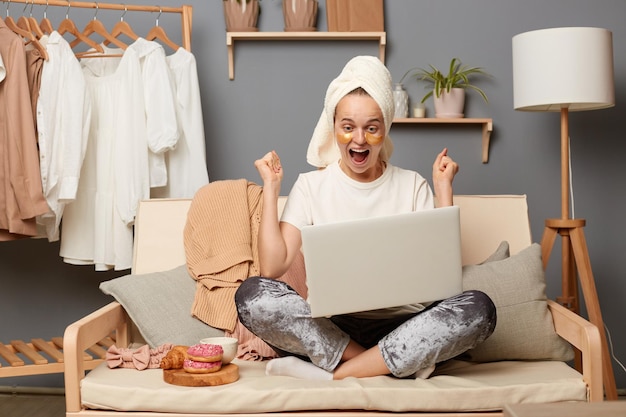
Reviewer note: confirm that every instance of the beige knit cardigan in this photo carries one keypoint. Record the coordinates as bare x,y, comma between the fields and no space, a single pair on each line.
220,239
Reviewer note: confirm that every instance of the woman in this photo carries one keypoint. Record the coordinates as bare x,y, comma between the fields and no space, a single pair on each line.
351,142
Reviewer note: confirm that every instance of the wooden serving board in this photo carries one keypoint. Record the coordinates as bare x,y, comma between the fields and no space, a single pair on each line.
229,373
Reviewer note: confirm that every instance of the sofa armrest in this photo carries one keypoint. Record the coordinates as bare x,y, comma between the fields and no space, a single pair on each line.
84,333
585,337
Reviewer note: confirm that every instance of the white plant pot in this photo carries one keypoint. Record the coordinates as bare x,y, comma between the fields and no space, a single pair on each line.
450,104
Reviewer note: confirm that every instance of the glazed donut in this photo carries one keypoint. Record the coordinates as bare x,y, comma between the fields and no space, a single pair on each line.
205,352
195,367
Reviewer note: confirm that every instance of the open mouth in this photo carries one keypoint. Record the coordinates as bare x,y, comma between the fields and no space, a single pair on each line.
359,155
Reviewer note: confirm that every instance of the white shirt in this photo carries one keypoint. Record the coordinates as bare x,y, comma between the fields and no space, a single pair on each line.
186,164
63,118
161,120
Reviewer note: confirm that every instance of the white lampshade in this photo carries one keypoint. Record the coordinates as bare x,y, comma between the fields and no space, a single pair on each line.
558,68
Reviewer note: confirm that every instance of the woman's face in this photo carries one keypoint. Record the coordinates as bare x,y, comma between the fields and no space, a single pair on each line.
360,132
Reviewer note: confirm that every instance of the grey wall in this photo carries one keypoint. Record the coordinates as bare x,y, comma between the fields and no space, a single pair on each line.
275,101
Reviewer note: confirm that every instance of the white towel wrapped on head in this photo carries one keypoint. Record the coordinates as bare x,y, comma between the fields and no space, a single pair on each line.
369,73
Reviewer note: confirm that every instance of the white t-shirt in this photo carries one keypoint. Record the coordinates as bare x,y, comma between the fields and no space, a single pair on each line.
329,195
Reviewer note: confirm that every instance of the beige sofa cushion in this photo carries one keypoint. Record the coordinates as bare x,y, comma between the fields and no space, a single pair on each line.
455,386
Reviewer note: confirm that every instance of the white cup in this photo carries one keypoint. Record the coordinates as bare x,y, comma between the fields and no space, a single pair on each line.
229,344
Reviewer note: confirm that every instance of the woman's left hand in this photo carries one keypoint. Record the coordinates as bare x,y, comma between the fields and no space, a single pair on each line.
444,170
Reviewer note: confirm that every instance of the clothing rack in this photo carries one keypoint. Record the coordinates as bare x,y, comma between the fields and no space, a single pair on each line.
41,356
185,11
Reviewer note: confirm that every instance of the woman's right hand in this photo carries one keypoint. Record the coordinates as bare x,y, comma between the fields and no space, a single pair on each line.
270,169
274,255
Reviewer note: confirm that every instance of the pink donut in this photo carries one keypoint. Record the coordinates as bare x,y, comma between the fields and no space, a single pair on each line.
205,352
196,367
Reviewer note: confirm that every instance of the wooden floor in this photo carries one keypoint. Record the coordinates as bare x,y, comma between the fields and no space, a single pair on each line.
23,405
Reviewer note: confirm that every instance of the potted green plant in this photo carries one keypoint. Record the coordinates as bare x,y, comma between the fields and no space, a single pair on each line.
448,89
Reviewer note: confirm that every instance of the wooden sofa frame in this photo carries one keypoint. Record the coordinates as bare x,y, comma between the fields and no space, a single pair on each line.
112,319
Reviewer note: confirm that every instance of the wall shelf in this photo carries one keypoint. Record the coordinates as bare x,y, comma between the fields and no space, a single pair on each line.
487,127
231,37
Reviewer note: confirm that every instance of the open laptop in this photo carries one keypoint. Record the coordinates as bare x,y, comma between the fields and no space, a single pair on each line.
381,262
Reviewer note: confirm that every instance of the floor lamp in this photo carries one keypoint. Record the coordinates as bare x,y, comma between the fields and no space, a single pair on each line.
565,70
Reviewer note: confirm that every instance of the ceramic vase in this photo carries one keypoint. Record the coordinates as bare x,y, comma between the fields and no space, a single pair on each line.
401,102
300,15
241,15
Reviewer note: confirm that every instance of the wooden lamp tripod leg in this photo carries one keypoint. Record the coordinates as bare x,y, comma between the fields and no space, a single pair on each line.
573,239
581,255
568,280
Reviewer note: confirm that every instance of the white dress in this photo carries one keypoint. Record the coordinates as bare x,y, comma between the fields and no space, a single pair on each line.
186,164
160,110
97,227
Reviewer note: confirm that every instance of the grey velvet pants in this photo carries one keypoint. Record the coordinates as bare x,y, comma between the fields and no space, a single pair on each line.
276,313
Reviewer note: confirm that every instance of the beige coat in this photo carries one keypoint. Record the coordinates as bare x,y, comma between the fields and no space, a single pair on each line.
21,195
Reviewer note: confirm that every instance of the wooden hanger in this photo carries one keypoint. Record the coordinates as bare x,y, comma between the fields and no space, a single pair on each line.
22,28
34,26
123,28
68,26
32,22
15,28
157,33
23,23
11,24
45,24
97,27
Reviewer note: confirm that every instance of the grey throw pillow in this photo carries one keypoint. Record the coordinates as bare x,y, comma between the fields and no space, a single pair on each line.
159,304
502,252
524,330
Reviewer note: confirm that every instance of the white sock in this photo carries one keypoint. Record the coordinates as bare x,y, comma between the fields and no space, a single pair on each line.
425,373
297,368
